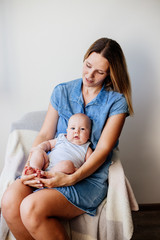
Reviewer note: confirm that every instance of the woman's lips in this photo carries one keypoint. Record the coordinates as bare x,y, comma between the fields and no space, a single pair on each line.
88,81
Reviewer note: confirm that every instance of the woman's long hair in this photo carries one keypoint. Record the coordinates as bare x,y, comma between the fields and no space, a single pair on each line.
118,78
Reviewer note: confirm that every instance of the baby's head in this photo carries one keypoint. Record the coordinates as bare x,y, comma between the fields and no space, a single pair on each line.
79,128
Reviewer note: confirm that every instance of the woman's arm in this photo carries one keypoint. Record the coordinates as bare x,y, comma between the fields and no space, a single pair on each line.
47,132
107,141
48,129
89,152
49,126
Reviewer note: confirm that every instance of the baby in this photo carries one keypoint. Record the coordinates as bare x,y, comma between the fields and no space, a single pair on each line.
68,151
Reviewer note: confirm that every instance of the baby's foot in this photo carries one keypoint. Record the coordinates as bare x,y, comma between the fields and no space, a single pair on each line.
29,170
39,174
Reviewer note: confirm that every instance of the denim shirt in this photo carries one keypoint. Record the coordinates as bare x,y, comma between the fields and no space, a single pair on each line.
67,99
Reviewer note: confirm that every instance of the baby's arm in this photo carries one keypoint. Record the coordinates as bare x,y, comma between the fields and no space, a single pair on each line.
88,153
46,146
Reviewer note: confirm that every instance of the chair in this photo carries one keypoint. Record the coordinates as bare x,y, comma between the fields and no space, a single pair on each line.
113,220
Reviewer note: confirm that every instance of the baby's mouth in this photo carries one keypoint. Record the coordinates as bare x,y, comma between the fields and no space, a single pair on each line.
76,137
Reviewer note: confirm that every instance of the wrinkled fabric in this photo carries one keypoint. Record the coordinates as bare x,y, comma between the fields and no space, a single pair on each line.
67,99
66,150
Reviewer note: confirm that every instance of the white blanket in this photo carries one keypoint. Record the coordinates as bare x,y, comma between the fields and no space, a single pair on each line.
113,220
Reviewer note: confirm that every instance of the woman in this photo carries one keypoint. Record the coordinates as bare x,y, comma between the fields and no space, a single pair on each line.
104,95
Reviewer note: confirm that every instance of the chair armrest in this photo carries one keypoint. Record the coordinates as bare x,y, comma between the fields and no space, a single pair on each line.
22,134
120,202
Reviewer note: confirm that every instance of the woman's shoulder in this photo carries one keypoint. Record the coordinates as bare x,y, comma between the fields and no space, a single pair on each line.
112,93
65,88
114,96
117,103
62,92
69,84
111,97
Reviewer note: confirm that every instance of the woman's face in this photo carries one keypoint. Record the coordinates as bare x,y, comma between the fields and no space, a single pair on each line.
95,69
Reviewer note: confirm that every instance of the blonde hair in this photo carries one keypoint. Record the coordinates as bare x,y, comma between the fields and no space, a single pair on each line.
118,77
82,115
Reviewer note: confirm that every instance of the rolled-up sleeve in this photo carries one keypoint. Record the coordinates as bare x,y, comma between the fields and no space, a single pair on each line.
119,106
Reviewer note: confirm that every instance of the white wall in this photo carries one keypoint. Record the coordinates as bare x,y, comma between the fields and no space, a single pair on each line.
42,43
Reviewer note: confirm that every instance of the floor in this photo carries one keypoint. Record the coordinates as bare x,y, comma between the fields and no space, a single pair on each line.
146,225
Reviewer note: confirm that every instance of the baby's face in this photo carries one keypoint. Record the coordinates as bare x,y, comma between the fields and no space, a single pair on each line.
78,131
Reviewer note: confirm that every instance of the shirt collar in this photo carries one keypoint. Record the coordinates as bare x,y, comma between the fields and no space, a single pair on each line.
76,94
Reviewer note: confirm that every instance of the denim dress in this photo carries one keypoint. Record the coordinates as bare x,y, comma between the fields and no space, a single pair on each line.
67,99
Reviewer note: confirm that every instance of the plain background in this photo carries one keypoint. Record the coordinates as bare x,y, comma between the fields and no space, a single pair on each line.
42,43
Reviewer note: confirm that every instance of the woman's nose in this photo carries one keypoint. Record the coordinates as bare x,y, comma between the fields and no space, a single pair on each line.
90,73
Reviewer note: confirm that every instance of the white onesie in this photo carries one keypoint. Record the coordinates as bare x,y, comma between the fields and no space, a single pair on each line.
65,150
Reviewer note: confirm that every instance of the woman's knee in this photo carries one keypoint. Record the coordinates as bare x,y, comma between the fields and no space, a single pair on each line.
12,199
30,213
9,205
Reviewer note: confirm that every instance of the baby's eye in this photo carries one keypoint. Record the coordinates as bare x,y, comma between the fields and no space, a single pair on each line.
72,128
82,129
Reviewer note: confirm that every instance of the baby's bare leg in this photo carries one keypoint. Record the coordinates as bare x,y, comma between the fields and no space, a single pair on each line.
66,167
37,159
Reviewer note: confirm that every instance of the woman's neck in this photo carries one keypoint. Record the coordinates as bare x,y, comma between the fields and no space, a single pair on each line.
89,93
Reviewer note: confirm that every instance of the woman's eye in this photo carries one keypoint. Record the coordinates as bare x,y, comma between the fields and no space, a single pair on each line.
88,65
101,72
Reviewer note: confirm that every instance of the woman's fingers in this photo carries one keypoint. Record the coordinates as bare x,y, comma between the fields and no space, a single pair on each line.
47,182
34,184
31,180
58,179
28,177
47,174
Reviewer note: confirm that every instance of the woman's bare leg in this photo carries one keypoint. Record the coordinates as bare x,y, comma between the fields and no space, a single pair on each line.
11,202
41,210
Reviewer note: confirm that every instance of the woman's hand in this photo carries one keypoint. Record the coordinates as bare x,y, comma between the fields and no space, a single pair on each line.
31,180
57,179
